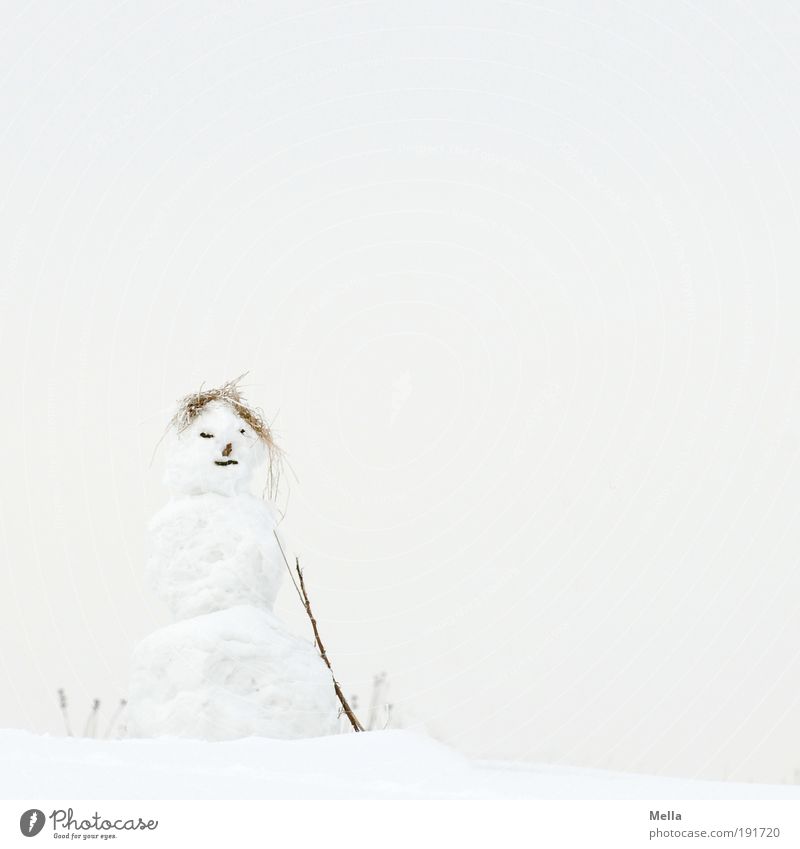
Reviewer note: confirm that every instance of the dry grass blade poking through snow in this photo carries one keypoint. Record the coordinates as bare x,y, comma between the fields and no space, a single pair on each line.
301,591
62,703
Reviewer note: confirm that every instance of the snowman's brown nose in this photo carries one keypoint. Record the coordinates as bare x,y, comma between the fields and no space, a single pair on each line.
226,451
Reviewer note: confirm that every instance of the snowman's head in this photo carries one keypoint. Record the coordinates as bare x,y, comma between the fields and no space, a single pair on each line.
216,445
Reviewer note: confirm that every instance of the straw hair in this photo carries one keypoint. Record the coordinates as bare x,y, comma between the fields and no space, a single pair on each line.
190,407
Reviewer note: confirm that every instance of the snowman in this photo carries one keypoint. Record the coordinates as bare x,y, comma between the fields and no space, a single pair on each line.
227,667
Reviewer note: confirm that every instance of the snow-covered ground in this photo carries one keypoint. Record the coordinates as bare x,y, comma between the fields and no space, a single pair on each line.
377,765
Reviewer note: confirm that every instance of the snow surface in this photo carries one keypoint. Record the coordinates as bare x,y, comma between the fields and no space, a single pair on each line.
374,765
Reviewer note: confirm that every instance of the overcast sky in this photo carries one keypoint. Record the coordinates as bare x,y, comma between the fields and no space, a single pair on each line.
519,288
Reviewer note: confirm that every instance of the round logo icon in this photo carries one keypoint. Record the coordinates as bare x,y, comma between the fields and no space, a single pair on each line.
31,822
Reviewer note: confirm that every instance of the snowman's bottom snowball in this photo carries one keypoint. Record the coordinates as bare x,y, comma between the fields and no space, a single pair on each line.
233,673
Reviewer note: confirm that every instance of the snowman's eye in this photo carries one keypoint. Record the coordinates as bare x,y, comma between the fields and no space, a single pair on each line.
207,435
242,430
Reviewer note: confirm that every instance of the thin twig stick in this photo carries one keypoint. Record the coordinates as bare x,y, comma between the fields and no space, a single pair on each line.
301,591
357,726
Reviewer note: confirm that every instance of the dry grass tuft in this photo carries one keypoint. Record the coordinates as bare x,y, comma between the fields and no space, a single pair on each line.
190,407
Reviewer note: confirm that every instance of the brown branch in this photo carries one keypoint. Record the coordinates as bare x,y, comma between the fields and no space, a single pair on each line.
301,591
357,726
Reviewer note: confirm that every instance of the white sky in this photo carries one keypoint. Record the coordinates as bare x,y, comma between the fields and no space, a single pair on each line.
520,288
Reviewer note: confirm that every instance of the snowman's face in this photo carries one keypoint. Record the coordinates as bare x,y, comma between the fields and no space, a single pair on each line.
218,452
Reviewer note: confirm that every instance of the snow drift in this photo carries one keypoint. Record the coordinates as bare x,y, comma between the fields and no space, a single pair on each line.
374,765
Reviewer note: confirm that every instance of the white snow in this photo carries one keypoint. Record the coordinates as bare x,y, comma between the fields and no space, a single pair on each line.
374,765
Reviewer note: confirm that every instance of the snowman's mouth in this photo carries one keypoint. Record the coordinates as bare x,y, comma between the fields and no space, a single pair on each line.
227,462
